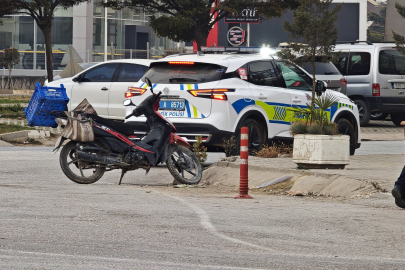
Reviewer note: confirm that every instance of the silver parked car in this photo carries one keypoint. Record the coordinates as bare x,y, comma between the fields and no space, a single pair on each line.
328,73
375,75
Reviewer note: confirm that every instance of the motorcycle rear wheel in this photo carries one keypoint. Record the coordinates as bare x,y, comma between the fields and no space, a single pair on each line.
184,165
75,169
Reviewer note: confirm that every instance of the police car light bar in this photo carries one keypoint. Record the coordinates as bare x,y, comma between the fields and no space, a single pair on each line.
231,49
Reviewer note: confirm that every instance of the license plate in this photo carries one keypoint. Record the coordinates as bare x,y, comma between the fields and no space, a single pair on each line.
399,85
173,113
172,105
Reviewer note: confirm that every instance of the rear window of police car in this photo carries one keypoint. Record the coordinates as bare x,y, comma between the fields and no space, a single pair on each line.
166,73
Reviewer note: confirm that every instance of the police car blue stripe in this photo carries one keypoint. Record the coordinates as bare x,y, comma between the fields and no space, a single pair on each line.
279,122
188,109
240,104
142,85
181,87
195,86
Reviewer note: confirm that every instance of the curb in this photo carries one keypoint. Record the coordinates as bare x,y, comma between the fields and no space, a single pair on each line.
14,135
318,183
25,134
23,123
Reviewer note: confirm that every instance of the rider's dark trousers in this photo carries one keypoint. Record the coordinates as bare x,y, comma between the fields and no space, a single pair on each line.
401,179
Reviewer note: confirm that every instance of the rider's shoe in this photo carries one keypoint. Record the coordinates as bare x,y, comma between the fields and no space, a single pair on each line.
399,194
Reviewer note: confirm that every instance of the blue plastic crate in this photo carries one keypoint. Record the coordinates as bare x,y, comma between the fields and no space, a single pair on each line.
43,102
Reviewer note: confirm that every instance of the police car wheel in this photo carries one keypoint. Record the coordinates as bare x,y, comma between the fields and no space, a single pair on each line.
256,136
346,128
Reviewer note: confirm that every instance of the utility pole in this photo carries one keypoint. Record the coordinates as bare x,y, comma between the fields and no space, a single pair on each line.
105,32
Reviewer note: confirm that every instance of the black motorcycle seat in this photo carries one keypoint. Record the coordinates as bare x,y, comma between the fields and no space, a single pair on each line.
121,127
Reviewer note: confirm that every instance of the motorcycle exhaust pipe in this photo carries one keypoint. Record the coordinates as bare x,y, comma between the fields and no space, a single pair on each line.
98,159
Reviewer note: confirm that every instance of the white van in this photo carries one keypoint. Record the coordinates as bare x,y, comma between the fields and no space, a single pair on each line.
375,75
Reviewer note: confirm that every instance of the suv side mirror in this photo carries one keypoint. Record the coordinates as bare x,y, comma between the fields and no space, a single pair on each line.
320,87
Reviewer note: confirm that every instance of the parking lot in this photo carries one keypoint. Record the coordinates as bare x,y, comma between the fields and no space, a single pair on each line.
50,222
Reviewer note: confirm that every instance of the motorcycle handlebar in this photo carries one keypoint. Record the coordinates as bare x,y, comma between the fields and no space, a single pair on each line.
129,116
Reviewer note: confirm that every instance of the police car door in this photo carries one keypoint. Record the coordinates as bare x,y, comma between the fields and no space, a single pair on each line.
270,97
298,83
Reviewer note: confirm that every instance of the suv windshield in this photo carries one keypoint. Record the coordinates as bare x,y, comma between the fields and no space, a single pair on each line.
391,62
166,73
320,68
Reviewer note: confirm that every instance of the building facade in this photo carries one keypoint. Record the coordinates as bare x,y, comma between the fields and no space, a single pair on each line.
351,24
82,26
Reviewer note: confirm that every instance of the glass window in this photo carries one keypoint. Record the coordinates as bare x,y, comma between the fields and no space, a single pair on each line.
263,73
181,74
98,10
131,73
62,36
341,62
391,62
294,77
103,73
320,68
359,63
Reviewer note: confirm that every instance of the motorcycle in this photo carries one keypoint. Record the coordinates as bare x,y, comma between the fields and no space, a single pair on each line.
113,148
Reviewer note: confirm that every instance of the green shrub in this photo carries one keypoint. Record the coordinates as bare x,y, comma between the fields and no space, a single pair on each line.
199,150
314,129
298,128
330,129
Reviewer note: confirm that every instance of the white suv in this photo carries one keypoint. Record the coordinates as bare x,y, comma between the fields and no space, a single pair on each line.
214,95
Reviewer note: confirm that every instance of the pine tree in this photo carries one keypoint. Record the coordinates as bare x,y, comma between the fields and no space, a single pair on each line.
375,33
400,40
313,34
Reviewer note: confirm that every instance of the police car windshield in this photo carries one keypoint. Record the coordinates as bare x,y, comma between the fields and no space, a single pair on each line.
166,73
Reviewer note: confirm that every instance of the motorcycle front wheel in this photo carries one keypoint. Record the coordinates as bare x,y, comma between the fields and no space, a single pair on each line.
184,165
77,170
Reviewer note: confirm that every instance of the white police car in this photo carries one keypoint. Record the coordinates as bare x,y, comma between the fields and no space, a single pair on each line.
214,95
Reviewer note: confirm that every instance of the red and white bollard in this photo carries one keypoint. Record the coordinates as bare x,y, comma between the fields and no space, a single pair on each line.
244,154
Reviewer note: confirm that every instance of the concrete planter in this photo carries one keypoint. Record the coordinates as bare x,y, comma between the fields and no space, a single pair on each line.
321,151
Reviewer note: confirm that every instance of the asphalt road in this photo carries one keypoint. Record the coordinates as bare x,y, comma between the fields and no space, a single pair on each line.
49,222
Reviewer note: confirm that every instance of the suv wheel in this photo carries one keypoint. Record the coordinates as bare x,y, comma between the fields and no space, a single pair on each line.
397,118
346,128
256,136
364,112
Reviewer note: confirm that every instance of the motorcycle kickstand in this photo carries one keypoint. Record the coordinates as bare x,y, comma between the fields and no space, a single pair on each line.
123,172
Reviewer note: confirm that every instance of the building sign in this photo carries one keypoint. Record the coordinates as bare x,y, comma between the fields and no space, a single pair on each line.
247,15
236,36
